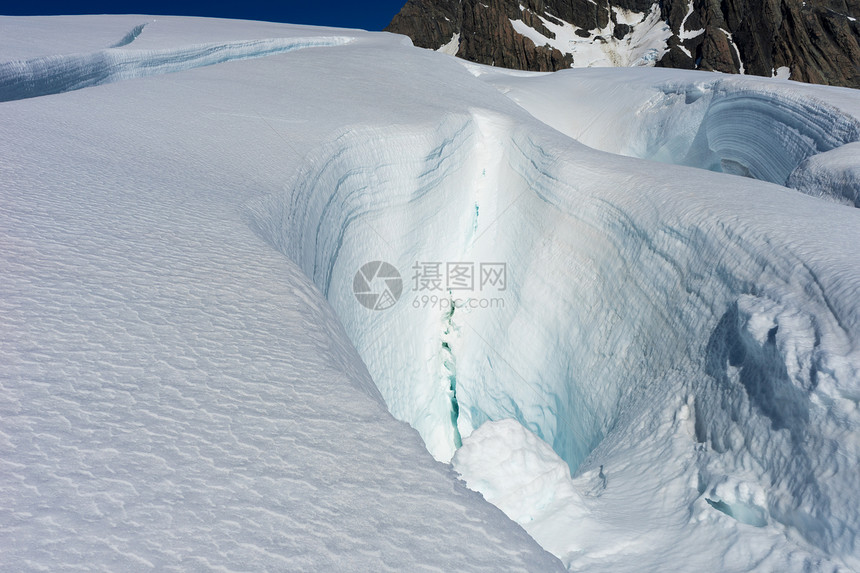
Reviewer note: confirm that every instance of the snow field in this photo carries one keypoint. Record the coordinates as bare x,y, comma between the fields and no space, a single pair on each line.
176,395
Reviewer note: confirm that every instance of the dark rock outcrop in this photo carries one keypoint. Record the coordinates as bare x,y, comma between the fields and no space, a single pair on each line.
486,33
818,40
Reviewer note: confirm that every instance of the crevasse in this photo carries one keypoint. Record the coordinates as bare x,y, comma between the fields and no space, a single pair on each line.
21,79
749,127
625,295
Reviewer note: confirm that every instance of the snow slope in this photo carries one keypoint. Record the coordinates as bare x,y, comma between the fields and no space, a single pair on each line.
668,380
175,394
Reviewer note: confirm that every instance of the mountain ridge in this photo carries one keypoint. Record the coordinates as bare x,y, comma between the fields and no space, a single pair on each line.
816,41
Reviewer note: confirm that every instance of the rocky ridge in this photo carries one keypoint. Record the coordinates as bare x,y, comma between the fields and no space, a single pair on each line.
816,41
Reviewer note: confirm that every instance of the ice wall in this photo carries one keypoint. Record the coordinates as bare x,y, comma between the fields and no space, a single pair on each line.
759,128
632,298
401,201
763,134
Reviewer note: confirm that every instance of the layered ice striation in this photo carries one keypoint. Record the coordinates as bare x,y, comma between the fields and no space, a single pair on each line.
402,201
763,134
632,299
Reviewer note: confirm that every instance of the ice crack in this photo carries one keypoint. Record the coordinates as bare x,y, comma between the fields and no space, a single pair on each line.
49,75
130,37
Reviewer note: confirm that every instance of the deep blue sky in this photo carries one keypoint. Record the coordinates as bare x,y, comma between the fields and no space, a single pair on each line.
373,15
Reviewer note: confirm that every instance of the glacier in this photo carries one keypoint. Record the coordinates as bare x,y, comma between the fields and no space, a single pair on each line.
671,373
